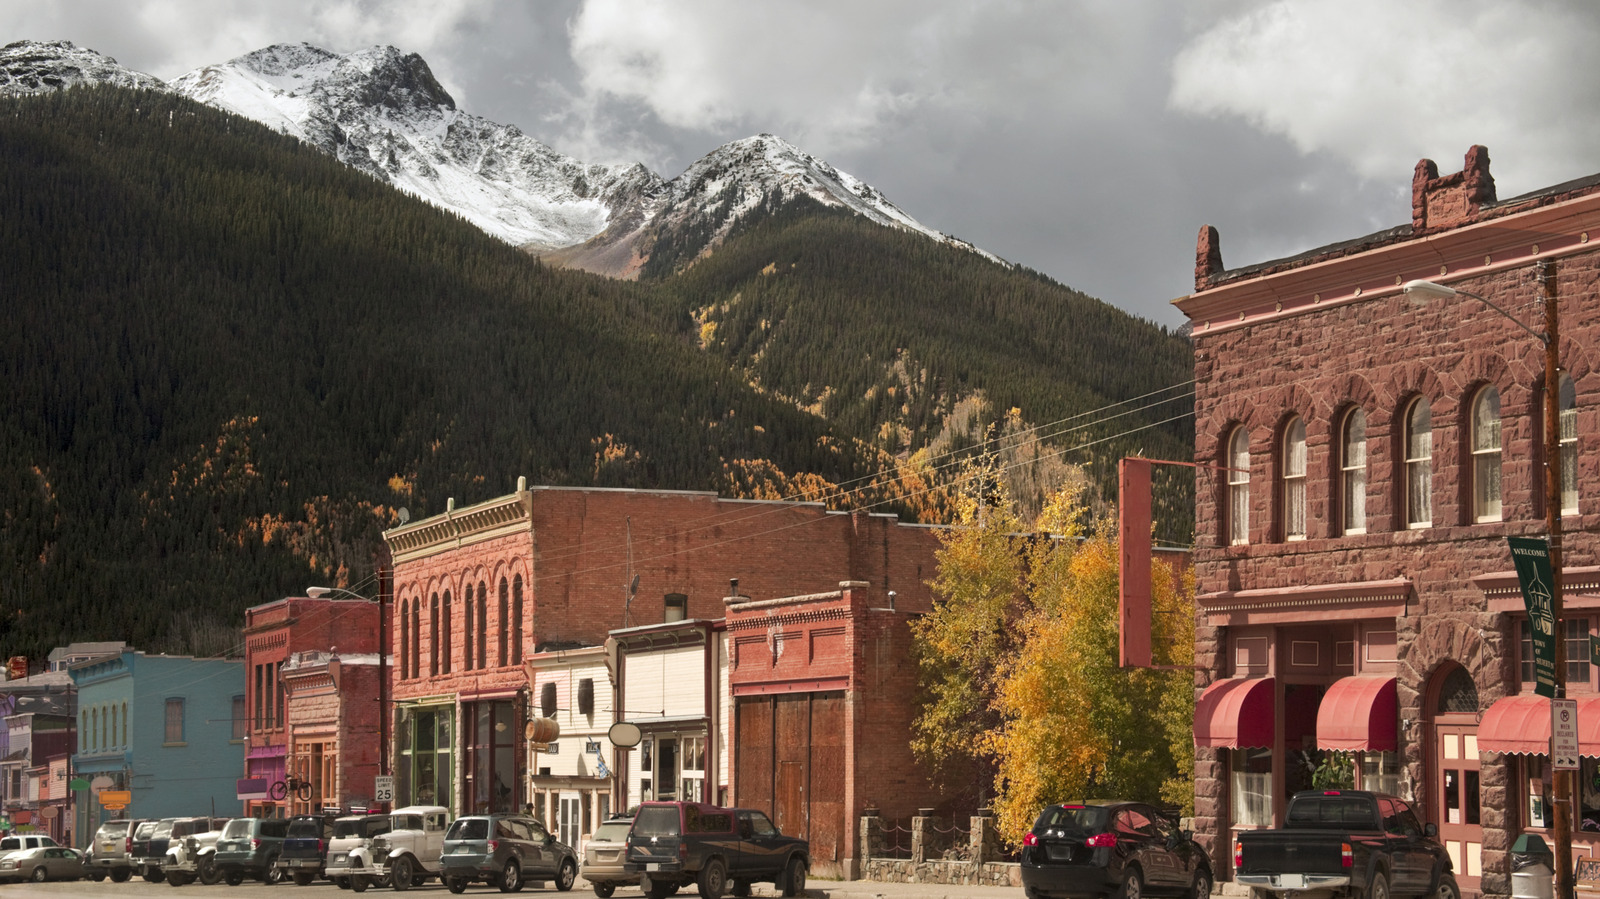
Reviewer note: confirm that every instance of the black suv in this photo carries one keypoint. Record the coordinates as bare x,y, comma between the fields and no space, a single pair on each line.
1090,849
305,848
506,851
249,847
674,844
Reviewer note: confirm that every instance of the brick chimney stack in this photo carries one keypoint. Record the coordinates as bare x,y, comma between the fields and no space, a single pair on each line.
1454,199
1207,257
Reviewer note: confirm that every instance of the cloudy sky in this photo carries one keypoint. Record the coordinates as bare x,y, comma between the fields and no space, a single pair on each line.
1089,140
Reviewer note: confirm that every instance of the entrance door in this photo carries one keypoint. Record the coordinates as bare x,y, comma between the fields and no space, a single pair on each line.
1459,809
570,819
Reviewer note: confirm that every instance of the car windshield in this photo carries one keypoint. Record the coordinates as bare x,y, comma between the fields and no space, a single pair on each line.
238,827
305,827
408,822
1072,819
145,830
612,831
360,827
163,829
469,829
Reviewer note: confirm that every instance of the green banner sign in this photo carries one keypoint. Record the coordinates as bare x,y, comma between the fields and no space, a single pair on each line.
1532,558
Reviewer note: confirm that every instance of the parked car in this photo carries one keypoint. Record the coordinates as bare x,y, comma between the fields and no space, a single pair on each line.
139,845
41,863
194,857
1346,842
350,855
149,849
409,853
25,841
605,858
505,851
305,848
674,844
109,851
248,847
1126,849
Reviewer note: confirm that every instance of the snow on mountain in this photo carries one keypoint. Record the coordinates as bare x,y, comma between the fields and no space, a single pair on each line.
32,67
383,112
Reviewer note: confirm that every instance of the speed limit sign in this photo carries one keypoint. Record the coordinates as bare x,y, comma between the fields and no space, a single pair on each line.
383,788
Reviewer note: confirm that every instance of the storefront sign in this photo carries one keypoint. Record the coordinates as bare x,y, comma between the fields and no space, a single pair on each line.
1532,558
1564,734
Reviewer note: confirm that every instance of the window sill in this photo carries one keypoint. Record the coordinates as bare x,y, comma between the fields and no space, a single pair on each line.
174,745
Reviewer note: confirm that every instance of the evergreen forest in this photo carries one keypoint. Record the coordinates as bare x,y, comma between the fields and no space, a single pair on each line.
231,361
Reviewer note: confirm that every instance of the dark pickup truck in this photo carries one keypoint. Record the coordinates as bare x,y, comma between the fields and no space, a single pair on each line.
1350,844
305,848
675,844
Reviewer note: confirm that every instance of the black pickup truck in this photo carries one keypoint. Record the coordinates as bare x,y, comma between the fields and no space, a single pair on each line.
1350,844
675,844
305,848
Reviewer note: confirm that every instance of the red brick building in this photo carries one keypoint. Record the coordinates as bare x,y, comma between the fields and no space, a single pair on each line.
1355,586
273,632
478,589
821,687
334,714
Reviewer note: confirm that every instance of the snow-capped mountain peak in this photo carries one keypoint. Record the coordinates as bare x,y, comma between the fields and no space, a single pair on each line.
32,67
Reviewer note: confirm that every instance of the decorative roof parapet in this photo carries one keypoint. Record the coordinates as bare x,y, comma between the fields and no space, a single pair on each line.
455,528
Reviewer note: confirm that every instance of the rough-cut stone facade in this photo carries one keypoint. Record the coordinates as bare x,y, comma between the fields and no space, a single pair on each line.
1316,336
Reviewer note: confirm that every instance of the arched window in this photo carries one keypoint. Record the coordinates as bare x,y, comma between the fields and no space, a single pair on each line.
1353,471
94,730
404,643
1294,480
114,726
444,634
433,636
504,631
1239,487
1569,446
416,637
516,620
1419,464
124,722
468,642
483,625
1486,455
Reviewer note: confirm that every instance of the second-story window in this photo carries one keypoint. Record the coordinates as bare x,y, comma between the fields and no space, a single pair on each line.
516,620
1239,487
404,643
174,721
483,625
505,626
433,636
1569,446
1353,472
1486,455
1294,480
1419,464
445,650
468,642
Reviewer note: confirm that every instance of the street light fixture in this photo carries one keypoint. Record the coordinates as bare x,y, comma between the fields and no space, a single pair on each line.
1551,338
383,666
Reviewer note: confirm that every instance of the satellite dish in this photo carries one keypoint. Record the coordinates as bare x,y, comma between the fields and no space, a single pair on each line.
404,515
634,587
625,735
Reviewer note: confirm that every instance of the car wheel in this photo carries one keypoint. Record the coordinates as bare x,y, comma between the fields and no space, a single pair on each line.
121,875
358,882
1379,888
97,875
1132,885
179,878
511,877
794,877
208,871
604,890
153,875
40,875
400,872
1448,889
567,876
233,877
272,875
657,889
303,878
713,880
1202,886
741,888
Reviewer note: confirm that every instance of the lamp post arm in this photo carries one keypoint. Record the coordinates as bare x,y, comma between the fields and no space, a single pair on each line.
1435,289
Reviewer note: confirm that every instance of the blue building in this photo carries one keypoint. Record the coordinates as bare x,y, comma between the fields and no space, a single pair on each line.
167,729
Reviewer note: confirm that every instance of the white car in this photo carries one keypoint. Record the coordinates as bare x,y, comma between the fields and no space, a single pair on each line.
409,852
350,851
42,863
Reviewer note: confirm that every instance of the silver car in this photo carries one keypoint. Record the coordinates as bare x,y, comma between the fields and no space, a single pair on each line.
605,858
42,863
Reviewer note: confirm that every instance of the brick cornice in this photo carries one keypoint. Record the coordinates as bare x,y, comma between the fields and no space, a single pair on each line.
500,517
1363,599
1512,240
762,622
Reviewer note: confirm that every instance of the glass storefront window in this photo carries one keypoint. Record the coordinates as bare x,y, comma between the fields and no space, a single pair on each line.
1250,786
493,784
1380,772
424,738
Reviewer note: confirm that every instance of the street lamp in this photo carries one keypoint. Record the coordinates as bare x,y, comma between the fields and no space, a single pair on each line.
383,666
1551,338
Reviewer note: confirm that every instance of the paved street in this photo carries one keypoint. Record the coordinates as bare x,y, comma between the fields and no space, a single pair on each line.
138,889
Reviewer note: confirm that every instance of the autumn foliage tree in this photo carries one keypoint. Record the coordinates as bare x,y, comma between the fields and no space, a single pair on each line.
1019,664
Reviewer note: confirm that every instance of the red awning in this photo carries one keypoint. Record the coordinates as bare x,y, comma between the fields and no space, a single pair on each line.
1359,714
1236,713
1520,725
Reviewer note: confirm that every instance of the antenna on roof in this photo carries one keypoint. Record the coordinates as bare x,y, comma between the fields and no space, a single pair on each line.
633,585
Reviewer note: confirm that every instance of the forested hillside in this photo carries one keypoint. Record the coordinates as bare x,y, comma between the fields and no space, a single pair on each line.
230,360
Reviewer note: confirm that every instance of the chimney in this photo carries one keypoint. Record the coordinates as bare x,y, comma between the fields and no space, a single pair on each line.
1207,257
1438,203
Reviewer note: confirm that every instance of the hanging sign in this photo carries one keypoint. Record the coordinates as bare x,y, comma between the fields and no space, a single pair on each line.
1532,558
1564,734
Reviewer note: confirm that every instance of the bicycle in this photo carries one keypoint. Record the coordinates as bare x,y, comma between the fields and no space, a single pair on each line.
291,784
